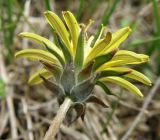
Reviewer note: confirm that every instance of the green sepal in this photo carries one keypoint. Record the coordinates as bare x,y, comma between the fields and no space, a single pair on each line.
83,115
68,79
55,88
94,99
104,87
86,72
81,91
80,109
57,71
79,56
100,60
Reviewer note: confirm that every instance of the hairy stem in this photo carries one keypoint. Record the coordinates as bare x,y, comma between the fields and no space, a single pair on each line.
57,121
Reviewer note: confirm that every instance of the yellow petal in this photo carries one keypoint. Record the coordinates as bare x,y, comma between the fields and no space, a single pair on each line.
133,74
87,47
37,54
123,57
117,39
41,40
98,48
100,34
130,57
110,64
72,26
60,28
124,83
36,79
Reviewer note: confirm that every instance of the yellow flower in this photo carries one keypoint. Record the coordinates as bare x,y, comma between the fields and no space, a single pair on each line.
76,63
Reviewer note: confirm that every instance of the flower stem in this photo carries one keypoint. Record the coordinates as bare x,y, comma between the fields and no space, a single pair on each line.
57,121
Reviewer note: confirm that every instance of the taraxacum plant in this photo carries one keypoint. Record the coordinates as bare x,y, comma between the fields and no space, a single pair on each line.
77,62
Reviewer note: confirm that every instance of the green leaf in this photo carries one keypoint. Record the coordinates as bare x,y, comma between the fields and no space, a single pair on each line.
2,88
79,56
109,11
80,9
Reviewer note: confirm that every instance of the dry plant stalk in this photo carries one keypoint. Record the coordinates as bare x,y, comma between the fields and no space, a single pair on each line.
57,121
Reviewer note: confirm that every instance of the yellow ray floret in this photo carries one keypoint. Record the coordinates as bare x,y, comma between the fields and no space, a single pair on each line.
124,83
98,48
130,57
123,57
41,40
84,55
73,27
87,47
117,38
37,54
36,79
60,28
133,74
100,33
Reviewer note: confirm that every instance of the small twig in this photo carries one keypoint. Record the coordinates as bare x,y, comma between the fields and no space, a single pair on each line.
12,116
3,123
69,131
75,134
42,105
111,133
28,119
144,107
57,121
89,131
94,125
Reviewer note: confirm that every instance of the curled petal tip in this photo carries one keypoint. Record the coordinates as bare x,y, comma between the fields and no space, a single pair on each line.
20,34
129,29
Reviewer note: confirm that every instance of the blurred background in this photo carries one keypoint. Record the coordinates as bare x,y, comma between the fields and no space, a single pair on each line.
26,111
